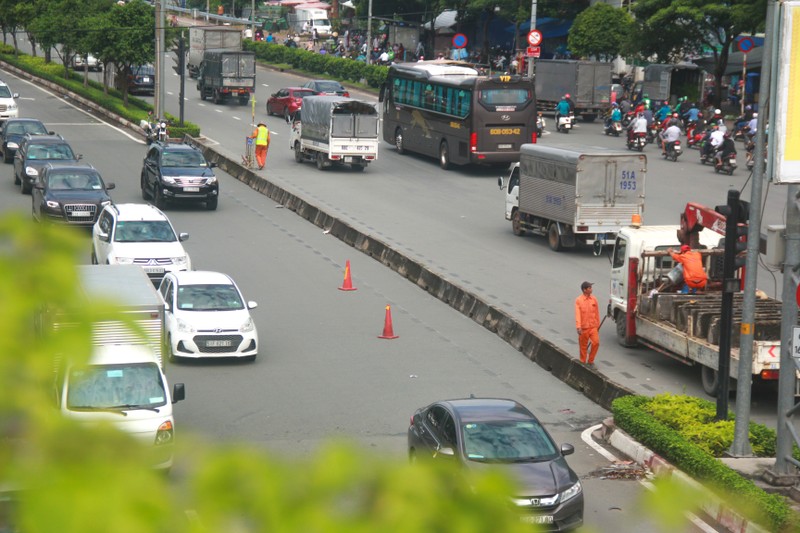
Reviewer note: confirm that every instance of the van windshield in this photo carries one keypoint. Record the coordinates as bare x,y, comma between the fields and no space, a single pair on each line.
124,386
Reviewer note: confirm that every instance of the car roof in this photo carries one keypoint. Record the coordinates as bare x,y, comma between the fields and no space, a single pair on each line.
488,409
175,146
70,165
139,212
45,139
202,277
23,119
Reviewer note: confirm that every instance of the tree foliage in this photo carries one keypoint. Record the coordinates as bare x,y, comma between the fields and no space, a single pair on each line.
600,31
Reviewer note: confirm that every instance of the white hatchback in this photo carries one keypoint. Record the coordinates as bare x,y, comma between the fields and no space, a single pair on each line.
206,316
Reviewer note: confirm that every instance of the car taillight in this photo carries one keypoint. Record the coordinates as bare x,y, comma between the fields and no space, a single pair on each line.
473,142
346,94
533,136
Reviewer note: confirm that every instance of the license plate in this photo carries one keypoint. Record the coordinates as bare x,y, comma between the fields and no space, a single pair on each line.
191,189
504,147
732,161
217,344
538,519
81,213
154,270
145,80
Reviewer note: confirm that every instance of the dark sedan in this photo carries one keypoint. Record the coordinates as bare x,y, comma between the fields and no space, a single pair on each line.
14,129
177,172
70,192
142,80
482,433
327,87
287,101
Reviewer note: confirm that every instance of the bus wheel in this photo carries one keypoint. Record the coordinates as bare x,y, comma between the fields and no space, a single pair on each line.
444,156
553,238
398,140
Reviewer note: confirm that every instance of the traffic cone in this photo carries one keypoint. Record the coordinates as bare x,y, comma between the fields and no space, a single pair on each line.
347,285
388,332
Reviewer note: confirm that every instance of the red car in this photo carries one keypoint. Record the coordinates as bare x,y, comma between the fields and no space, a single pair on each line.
287,101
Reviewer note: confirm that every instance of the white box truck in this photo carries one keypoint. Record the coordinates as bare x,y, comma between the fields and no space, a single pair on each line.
204,39
574,194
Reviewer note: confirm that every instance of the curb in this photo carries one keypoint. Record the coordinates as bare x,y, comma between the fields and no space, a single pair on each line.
713,507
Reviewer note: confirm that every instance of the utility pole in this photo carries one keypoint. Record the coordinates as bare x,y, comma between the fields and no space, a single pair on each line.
533,27
369,32
158,97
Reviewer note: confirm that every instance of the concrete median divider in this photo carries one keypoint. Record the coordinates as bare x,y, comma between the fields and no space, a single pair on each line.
562,365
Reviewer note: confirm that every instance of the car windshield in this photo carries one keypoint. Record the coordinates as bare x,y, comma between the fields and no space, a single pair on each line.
330,86
50,152
21,128
115,387
144,231
507,442
209,298
80,180
183,158
143,71
5,92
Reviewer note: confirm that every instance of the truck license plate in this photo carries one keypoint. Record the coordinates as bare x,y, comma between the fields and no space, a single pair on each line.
218,344
191,189
145,80
504,147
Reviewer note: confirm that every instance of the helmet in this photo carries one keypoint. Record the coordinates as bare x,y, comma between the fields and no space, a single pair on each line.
685,248
748,107
717,112
755,115
614,104
566,95
675,115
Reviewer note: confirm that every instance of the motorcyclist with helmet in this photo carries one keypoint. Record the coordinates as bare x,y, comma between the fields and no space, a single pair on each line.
714,139
663,112
725,149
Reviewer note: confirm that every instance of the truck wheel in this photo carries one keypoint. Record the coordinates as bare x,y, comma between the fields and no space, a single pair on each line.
320,161
444,156
553,238
588,118
359,167
203,94
398,141
622,332
710,379
516,224
298,153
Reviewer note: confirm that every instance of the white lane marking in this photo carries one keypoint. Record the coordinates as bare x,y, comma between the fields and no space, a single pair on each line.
218,110
236,118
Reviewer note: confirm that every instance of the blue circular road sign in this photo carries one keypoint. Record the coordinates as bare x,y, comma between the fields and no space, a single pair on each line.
459,40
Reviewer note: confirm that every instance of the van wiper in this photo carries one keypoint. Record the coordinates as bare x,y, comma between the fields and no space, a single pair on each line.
131,406
98,409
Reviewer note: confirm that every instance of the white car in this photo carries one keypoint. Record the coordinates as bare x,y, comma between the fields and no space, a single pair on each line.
139,234
206,316
8,102
91,62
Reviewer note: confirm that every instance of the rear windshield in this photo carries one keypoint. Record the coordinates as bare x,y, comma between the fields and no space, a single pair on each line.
50,152
504,96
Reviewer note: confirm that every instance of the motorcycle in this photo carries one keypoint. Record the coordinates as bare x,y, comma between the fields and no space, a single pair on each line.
613,127
154,130
540,124
627,118
725,164
564,123
673,150
652,132
637,141
694,136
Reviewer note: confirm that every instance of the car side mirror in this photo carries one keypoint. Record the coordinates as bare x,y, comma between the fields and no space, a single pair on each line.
103,236
110,186
183,237
80,156
167,307
251,304
274,95
15,95
51,133
212,165
446,452
178,392
500,182
567,449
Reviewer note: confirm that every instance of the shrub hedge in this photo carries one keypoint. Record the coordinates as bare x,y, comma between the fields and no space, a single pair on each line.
665,424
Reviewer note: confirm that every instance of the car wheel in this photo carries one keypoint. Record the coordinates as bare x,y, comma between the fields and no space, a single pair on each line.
298,153
398,141
168,350
249,358
6,158
211,204
553,238
516,224
320,161
26,188
269,113
17,181
143,184
158,199
444,156
412,456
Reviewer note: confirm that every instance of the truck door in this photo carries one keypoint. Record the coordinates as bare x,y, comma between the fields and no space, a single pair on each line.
619,273
512,191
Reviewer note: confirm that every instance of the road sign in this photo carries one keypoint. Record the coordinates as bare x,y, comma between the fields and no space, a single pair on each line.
745,44
797,295
459,40
534,51
796,342
534,37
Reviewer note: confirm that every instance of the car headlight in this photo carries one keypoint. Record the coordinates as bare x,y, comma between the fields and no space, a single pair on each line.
12,107
30,171
12,145
169,180
120,260
105,203
184,327
180,261
52,205
571,492
248,326
212,179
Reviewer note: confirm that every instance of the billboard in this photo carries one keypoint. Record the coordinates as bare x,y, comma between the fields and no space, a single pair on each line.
786,131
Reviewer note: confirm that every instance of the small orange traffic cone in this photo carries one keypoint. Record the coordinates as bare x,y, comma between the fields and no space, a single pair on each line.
388,332
347,285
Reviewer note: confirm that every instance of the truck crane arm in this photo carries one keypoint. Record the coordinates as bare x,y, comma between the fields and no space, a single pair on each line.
694,218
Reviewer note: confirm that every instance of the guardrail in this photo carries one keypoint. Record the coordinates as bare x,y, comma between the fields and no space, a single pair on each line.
197,14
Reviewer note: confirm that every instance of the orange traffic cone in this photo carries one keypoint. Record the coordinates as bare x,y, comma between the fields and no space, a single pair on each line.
348,283
388,332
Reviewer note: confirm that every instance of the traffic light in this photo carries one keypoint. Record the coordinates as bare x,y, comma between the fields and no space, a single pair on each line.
737,214
180,55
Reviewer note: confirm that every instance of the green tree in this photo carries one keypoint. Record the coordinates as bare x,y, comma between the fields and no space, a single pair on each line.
600,32
25,13
131,41
59,26
668,30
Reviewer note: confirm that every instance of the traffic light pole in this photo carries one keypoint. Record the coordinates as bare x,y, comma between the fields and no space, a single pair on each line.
182,73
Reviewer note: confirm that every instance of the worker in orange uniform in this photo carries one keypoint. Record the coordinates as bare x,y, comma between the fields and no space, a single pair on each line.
261,136
694,275
587,322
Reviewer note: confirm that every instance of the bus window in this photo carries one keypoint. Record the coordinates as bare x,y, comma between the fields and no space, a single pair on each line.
504,96
416,99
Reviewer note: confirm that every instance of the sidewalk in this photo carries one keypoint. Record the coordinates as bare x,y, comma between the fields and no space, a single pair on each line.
750,468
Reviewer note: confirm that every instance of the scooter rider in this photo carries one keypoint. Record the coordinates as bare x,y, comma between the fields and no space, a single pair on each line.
562,109
614,116
725,149
669,136
638,126
663,112
715,139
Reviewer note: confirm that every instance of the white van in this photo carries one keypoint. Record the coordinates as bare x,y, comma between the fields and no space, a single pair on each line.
316,18
124,385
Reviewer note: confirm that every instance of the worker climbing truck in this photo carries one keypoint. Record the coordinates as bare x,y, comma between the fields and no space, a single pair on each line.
335,130
226,75
649,306
574,194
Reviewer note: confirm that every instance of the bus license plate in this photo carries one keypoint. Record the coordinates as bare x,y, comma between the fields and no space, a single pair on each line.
504,147
191,189
218,344
537,519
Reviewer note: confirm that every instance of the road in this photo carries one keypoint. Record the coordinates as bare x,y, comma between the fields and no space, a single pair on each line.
322,371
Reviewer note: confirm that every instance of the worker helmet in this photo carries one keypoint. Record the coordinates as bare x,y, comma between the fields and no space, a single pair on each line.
717,112
566,95
685,248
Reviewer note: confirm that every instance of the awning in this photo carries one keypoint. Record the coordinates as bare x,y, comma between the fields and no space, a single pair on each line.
447,19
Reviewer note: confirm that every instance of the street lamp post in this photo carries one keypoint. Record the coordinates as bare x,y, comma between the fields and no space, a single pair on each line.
533,27
369,32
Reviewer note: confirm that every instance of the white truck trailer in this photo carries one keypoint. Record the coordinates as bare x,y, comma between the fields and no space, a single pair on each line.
574,194
204,39
335,130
